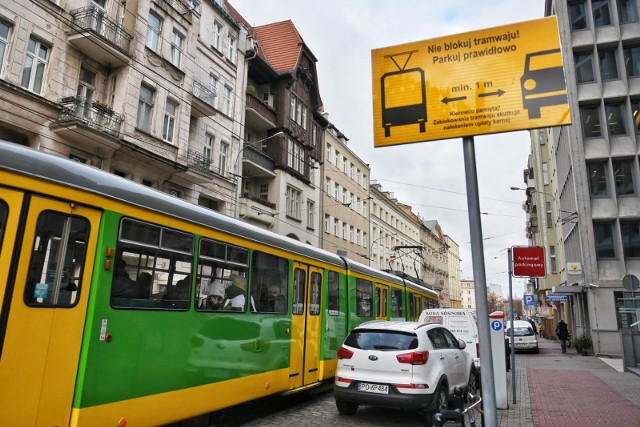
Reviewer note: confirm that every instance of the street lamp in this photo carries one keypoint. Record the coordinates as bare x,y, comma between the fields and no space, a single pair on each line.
560,220
238,172
376,240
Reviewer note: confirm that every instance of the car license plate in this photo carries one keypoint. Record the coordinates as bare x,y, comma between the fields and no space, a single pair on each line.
373,388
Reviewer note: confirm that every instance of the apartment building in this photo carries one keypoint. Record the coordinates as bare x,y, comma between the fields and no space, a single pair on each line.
453,280
468,294
596,168
435,261
345,199
283,135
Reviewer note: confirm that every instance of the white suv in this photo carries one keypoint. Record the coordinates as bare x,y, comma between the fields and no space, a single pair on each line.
409,365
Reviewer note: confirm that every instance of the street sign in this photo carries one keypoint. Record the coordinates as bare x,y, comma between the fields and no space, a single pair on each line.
557,298
528,261
529,300
630,282
494,80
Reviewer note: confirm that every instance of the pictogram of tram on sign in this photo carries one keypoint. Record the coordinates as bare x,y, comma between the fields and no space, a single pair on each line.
403,95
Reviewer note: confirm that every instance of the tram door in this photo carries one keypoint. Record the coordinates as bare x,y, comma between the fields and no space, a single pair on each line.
305,326
41,329
382,298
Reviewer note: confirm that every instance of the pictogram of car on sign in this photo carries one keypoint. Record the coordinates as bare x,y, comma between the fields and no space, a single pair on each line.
543,82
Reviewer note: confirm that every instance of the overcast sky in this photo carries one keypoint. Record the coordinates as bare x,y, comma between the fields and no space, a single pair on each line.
429,176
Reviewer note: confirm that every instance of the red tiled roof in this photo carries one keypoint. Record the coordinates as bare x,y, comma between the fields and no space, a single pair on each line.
280,44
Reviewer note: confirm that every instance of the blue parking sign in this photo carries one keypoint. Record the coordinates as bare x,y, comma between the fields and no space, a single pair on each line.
529,300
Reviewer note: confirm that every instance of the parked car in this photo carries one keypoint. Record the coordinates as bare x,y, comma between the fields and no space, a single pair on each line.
410,365
524,337
462,322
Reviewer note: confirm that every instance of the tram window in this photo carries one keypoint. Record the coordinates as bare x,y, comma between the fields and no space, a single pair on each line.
385,300
269,279
222,277
397,306
299,281
314,303
364,293
334,295
57,260
152,268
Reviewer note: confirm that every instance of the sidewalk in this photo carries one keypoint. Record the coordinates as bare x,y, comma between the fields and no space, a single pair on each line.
555,389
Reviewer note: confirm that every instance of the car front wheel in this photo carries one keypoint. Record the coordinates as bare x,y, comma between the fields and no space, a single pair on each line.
346,408
473,386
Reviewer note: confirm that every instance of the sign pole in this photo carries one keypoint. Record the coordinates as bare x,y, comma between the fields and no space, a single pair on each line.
511,332
479,277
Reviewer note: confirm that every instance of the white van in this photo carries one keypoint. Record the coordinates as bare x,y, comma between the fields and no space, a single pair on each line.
463,323
524,337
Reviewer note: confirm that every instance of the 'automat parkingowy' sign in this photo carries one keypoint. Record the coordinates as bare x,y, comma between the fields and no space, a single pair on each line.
494,80
528,261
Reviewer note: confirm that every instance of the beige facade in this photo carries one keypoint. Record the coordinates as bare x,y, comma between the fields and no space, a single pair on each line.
453,282
128,89
345,200
468,294
435,263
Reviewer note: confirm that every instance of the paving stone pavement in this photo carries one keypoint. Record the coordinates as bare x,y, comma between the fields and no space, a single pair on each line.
552,389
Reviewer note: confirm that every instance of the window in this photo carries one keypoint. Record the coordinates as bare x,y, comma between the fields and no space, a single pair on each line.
152,267
145,108
327,186
328,154
615,118
625,300
590,116
207,149
635,109
632,60
549,211
397,305
608,66
336,224
153,32
545,173
314,298
34,66
577,15
630,233
601,14
364,293
226,100
597,179
333,302
224,154
311,211
623,177
169,122
293,197
327,223
553,260
5,30
584,67
177,41
298,111
222,277
295,156
270,275
231,48
603,233
263,191
627,11
57,260
216,33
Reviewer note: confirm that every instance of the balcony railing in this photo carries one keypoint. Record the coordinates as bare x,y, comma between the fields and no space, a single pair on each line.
204,93
184,6
92,114
198,162
256,156
92,18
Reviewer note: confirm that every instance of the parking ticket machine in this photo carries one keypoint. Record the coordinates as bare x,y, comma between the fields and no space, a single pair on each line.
496,324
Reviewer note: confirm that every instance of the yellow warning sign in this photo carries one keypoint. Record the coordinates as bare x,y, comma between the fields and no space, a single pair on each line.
495,80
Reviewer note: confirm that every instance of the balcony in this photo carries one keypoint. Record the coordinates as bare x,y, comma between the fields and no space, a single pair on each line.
203,100
198,167
99,37
85,121
256,210
259,116
256,163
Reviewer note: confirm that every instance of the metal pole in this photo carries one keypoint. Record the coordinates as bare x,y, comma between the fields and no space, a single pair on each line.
511,332
479,277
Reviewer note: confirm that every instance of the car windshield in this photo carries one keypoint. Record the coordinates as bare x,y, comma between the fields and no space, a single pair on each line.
381,340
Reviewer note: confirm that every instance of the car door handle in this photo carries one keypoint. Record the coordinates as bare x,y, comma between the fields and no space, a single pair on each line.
441,357
457,357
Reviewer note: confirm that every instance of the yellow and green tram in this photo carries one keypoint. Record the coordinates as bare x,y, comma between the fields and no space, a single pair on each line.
121,305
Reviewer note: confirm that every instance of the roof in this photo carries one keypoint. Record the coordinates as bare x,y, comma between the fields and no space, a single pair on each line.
280,44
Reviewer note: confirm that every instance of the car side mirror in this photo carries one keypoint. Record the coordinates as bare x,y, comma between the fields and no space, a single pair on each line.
462,344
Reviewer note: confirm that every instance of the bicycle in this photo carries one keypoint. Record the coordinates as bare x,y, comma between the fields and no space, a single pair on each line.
458,416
